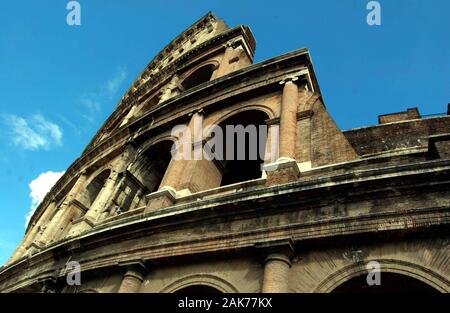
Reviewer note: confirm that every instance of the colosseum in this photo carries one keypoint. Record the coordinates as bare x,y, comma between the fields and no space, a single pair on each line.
321,210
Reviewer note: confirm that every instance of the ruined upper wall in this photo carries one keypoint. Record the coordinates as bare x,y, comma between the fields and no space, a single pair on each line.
204,29
397,135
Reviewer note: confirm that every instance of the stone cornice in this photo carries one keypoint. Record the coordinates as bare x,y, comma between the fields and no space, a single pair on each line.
432,176
304,115
370,223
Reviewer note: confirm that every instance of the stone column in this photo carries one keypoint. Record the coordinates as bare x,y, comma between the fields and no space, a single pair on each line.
93,213
288,118
133,277
286,169
178,166
126,158
278,254
276,273
117,200
271,154
136,200
76,210
103,197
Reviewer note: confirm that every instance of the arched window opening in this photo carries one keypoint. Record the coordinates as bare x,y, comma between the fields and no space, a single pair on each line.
389,283
151,166
149,104
93,189
118,122
198,289
201,75
244,143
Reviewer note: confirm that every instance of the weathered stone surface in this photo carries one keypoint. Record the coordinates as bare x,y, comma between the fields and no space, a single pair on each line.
138,220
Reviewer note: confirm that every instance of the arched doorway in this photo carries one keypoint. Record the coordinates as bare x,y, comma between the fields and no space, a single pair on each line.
243,146
389,283
200,283
198,289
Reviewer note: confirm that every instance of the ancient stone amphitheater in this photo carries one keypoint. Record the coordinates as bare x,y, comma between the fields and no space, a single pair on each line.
138,219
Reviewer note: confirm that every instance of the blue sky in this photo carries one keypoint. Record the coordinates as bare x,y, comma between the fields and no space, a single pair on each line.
59,83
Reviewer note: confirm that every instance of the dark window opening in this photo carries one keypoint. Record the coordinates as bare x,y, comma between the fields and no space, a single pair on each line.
149,104
151,166
390,283
118,121
201,75
246,156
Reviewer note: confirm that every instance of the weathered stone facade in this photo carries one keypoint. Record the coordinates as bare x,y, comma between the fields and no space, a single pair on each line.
138,220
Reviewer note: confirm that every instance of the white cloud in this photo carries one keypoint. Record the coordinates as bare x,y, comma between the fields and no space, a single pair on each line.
34,133
39,187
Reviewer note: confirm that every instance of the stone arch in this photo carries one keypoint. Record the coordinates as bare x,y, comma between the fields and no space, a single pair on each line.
313,98
94,186
59,198
151,162
243,166
189,72
254,107
198,75
408,269
208,280
92,172
145,145
149,103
